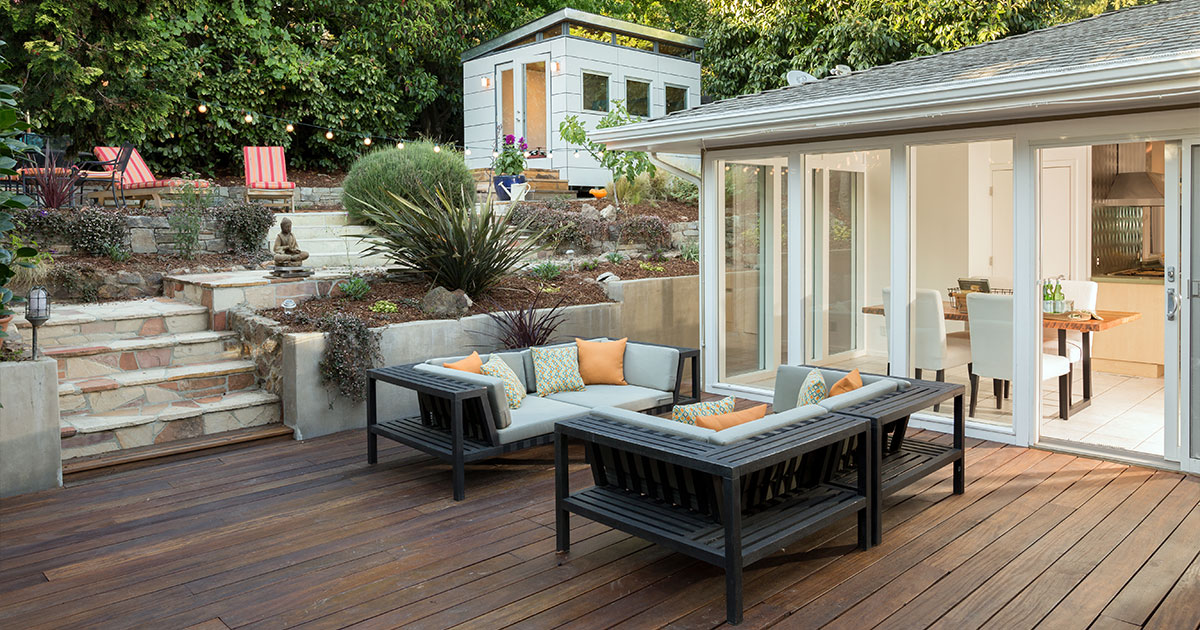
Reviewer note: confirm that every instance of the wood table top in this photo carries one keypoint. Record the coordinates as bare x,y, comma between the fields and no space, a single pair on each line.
1109,319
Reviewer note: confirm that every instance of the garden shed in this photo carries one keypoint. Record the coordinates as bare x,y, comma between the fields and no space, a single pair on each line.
528,80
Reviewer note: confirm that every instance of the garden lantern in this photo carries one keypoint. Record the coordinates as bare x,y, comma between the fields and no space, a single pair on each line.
37,311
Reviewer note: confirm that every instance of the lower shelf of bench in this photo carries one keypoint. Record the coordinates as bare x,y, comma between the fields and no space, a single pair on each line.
763,532
912,461
410,432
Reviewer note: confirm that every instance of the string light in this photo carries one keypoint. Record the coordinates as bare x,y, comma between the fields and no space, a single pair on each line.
249,118
550,155
466,152
367,141
495,154
576,153
329,134
289,128
437,148
202,108
399,145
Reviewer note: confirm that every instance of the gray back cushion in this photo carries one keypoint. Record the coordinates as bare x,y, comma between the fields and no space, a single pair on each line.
877,387
769,422
651,366
520,362
789,378
495,387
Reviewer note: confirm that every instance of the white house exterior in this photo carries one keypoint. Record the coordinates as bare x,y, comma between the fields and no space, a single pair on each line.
528,80
825,203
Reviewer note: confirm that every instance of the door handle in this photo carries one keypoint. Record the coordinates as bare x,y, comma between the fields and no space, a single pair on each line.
1172,304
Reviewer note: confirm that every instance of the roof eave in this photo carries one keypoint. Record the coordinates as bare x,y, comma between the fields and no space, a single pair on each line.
1143,78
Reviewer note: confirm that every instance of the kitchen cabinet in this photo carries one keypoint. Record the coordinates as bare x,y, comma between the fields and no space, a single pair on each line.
1136,348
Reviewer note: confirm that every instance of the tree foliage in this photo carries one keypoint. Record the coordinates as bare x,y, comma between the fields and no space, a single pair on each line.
112,71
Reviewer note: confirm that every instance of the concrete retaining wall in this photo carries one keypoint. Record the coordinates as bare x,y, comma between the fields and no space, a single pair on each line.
656,310
30,443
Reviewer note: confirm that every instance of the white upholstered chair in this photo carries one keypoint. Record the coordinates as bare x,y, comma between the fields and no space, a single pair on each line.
933,348
991,319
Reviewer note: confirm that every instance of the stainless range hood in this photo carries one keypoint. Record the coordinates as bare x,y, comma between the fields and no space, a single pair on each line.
1134,184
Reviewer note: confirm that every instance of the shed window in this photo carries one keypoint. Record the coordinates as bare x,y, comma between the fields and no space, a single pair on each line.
676,98
595,92
637,98
576,30
674,51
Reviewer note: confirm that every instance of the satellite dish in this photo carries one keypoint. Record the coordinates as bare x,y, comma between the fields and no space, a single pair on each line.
841,70
799,77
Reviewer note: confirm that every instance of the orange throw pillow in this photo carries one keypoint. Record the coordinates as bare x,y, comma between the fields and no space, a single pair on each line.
724,421
847,383
602,362
467,364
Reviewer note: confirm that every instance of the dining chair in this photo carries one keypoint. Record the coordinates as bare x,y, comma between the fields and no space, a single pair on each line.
990,316
933,348
1084,293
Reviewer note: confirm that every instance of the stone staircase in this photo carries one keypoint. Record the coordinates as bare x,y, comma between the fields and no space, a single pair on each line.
147,372
329,239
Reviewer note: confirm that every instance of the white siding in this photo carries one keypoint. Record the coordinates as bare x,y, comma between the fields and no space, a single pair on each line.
576,56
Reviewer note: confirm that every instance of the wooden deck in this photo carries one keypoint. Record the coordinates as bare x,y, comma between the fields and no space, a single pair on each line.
284,534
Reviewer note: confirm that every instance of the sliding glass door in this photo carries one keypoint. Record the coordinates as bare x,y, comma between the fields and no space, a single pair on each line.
753,289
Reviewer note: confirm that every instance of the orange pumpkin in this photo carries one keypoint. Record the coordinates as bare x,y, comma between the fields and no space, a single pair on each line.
598,193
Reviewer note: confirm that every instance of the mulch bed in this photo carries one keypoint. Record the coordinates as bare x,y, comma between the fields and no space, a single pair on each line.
517,291
669,211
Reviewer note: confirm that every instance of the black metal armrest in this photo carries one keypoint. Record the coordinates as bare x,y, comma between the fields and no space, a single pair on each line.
423,382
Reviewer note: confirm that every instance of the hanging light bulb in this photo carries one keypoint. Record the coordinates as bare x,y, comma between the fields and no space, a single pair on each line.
495,154
399,145
550,154
367,141
202,108
289,128
249,118
437,148
329,134
727,169
576,153
466,152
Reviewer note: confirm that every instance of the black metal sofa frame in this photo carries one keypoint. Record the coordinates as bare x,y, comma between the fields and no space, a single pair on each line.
728,505
455,423
900,460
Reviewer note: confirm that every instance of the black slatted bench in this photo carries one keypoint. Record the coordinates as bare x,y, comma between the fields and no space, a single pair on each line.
728,505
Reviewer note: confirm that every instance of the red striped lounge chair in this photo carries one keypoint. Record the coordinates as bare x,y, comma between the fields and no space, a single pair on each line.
137,182
266,176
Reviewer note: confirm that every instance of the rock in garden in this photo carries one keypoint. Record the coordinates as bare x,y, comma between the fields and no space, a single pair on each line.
588,211
441,302
608,212
608,276
128,277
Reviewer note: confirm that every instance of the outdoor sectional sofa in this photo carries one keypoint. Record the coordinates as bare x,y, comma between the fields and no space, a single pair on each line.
464,416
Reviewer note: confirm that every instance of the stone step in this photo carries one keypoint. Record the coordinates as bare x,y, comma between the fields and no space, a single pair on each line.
98,324
141,353
332,259
165,422
153,386
304,233
485,175
338,217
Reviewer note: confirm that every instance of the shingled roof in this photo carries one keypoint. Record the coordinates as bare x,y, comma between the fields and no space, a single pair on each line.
1163,30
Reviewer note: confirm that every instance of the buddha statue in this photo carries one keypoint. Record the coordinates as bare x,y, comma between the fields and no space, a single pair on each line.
287,251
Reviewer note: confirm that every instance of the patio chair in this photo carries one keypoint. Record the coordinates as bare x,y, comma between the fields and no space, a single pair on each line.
728,498
137,182
266,176
106,173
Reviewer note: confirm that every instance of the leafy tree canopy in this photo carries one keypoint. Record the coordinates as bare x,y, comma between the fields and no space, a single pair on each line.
111,71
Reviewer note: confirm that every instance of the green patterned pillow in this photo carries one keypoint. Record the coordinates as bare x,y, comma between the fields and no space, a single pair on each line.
514,391
556,370
687,414
813,390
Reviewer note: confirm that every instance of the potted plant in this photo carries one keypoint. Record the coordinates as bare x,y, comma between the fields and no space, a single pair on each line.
509,166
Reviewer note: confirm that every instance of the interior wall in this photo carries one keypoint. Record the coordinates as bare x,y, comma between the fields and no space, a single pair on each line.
940,201
878,204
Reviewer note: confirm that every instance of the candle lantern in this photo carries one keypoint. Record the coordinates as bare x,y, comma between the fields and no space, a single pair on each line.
37,311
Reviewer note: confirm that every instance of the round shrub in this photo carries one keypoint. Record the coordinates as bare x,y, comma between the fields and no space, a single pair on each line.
411,173
97,231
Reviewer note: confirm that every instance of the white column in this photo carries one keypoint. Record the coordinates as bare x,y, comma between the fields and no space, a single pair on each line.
712,285
1027,312
797,246
902,262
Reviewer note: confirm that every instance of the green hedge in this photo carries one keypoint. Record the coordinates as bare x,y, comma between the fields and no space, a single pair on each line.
413,173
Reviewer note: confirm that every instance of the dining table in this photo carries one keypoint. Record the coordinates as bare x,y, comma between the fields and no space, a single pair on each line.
1105,320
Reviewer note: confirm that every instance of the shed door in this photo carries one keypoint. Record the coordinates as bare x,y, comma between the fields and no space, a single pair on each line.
523,100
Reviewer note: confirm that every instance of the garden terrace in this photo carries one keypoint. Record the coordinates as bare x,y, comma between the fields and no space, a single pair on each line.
282,534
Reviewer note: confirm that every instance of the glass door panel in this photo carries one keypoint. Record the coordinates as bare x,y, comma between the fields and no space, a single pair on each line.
754,274
535,106
506,108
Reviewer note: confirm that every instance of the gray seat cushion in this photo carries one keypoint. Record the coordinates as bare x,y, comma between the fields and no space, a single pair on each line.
623,396
496,398
652,422
537,417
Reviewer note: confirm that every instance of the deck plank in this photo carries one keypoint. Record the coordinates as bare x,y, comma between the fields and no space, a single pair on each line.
306,535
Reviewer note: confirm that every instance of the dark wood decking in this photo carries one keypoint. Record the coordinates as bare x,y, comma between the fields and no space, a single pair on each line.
284,534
